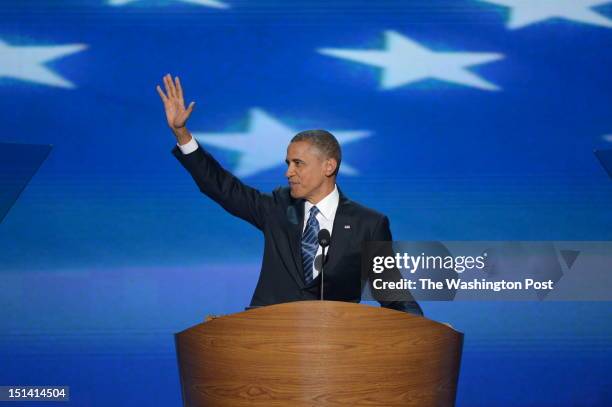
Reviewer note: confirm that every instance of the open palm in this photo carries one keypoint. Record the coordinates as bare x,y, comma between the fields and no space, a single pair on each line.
174,105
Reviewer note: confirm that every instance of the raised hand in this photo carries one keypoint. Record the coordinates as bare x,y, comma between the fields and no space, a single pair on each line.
176,114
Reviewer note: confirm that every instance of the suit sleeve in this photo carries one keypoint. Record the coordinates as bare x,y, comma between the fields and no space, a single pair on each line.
382,232
224,188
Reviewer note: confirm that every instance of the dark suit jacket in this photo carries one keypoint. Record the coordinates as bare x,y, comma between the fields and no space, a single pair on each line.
280,217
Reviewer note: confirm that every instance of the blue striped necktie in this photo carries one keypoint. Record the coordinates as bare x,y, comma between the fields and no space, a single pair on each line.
310,244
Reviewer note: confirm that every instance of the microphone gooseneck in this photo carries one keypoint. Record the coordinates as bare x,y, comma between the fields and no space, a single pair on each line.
324,238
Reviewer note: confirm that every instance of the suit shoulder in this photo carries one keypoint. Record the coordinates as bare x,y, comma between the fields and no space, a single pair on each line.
365,212
282,196
282,193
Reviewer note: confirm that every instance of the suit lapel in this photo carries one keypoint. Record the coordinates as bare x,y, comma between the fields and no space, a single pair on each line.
295,218
341,234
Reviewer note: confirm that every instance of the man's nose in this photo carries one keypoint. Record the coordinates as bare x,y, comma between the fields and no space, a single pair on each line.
290,172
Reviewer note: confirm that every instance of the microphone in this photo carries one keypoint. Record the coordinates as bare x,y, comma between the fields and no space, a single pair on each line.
324,240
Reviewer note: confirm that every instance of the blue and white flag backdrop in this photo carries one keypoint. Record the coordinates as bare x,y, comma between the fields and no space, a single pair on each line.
461,120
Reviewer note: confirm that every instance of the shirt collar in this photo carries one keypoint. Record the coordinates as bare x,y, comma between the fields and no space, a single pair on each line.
327,206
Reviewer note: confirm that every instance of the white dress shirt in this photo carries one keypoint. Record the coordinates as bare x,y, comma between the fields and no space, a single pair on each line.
188,147
327,206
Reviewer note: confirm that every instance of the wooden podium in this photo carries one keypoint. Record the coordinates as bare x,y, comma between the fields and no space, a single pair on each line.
319,353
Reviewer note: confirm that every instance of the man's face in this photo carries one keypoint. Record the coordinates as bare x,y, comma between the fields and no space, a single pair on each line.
306,171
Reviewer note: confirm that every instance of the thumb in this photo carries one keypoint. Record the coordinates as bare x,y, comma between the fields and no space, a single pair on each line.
190,109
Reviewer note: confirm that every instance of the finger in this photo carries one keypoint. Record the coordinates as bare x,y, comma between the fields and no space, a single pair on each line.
171,82
179,89
172,87
161,94
189,110
168,86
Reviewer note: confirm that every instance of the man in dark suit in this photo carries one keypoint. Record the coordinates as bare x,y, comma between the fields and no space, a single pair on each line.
290,217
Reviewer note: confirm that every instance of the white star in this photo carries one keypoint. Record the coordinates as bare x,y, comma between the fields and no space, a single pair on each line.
207,3
608,137
26,62
525,12
264,145
405,61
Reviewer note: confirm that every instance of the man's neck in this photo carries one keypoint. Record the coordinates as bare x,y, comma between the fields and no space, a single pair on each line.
323,194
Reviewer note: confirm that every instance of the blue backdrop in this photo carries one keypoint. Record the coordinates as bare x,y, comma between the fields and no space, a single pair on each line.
461,120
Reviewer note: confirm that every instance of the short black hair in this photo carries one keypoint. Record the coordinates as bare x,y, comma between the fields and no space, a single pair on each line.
324,141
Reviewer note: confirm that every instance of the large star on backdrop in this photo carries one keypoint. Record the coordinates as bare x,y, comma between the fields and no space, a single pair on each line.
264,144
405,61
206,3
27,62
525,12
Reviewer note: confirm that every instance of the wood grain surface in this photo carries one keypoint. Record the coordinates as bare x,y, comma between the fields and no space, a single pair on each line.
319,353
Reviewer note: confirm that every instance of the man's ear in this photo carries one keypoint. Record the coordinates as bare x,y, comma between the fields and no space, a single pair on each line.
330,166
